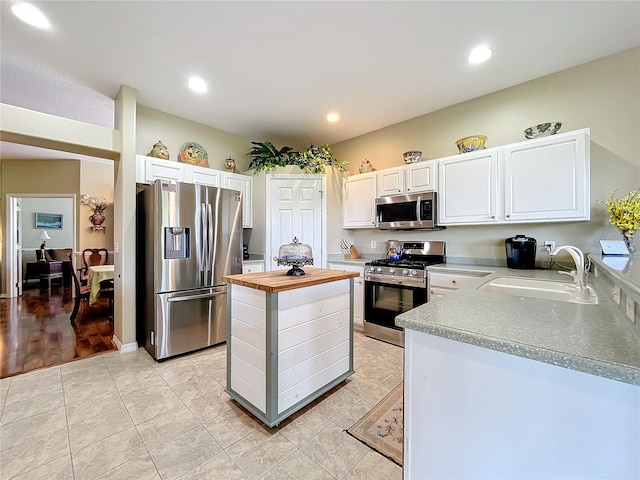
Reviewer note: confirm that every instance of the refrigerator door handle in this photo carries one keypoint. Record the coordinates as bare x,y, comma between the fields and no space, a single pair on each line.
202,250
193,297
210,251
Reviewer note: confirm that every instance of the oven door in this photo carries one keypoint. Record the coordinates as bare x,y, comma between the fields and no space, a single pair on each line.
383,302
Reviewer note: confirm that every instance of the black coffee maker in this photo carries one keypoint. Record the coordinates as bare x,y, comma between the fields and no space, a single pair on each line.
521,252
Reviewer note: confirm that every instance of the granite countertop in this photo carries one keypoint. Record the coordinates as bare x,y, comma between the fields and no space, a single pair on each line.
595,339
278,281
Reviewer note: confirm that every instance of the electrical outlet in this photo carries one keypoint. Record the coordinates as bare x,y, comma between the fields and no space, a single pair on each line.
631,309
616,295
549,245
373,244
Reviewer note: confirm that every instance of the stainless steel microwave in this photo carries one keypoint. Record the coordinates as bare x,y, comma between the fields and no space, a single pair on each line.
406,212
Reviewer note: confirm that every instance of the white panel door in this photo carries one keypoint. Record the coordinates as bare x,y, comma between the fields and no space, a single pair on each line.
295,211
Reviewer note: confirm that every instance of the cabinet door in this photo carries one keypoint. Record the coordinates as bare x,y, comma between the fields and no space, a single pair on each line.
358,292
359,201
467,184
421,177
244,184
547,179
203,176
156,168
390,181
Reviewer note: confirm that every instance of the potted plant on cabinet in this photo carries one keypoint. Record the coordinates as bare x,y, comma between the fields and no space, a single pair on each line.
265,156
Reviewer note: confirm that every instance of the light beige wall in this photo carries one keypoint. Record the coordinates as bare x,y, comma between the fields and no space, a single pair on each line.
96,179
603,95
153,125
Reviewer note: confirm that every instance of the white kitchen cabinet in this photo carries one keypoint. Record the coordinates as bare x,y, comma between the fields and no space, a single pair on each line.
539,180
421,177
252,267
468,188
358,292
440,284
244,184
358,201
390,181
203,176
150,169
547,179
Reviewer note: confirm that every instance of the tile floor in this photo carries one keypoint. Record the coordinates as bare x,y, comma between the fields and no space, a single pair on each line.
116,416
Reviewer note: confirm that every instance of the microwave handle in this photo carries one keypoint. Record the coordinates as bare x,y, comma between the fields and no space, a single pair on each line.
419,209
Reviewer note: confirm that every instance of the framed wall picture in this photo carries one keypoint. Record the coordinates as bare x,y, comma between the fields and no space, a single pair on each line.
48,220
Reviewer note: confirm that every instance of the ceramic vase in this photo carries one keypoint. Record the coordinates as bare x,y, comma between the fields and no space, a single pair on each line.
230,165
630,243
97,218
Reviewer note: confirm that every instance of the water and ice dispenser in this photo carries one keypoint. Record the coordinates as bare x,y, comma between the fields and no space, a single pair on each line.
176,242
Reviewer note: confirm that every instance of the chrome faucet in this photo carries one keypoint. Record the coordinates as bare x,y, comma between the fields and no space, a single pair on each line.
578,274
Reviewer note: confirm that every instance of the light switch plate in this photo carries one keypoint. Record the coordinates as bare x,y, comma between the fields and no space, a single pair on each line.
614,247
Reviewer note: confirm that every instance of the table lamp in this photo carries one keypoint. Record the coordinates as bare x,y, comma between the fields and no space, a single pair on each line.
44,237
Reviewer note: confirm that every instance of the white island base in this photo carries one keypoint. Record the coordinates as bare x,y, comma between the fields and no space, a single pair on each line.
287,348
475,413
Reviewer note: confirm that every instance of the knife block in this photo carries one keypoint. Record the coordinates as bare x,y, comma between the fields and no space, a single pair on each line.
354,253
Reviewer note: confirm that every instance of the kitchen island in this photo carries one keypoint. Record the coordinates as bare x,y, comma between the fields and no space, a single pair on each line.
290,339
501,386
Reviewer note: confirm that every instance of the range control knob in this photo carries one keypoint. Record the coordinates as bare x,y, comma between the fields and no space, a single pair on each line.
405,271
392,270
379,269
413,273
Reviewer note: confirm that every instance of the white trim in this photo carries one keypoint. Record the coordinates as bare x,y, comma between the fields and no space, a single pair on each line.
124,348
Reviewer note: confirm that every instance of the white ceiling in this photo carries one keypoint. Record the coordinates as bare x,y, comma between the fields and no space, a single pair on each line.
275,69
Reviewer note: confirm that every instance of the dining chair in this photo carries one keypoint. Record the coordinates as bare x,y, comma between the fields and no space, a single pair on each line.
91,257
82,293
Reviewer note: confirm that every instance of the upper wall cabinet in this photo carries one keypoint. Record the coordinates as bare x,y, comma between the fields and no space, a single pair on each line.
547,179
421,177
390,181
358,201
150,169
468,190
412,178
540,180
243,183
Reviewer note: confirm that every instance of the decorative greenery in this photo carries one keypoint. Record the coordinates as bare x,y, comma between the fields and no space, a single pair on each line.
316,159
97,204
265,156
624,213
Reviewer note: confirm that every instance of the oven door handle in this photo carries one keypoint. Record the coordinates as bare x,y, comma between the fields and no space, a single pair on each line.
418,283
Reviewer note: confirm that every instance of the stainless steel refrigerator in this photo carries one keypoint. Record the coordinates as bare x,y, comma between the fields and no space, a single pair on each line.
188,237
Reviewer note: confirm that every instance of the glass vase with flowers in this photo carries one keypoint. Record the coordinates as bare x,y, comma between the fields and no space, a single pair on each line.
624,214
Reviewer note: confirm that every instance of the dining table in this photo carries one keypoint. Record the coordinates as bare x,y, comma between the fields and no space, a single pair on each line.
98,273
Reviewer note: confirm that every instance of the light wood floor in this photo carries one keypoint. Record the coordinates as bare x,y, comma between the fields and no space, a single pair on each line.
35,330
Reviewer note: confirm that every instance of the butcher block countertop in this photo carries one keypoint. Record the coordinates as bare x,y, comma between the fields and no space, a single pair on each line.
278,281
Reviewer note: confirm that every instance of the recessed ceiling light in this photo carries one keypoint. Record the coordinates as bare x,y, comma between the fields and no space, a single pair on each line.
333,117
198,85
480,54
29,13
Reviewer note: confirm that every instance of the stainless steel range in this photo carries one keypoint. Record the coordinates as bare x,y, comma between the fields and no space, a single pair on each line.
392,287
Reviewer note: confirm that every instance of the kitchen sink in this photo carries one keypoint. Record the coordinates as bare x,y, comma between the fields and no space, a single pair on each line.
542,289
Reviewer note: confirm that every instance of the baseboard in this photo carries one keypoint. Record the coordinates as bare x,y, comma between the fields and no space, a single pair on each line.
124,348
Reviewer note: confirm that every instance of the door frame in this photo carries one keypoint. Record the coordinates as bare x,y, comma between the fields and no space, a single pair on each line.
323,214
10,267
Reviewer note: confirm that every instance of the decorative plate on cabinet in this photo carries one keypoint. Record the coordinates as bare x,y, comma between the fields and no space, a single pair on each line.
194,154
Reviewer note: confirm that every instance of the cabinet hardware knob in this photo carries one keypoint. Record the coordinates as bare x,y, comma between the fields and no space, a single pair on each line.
493,216
508,216
453,281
